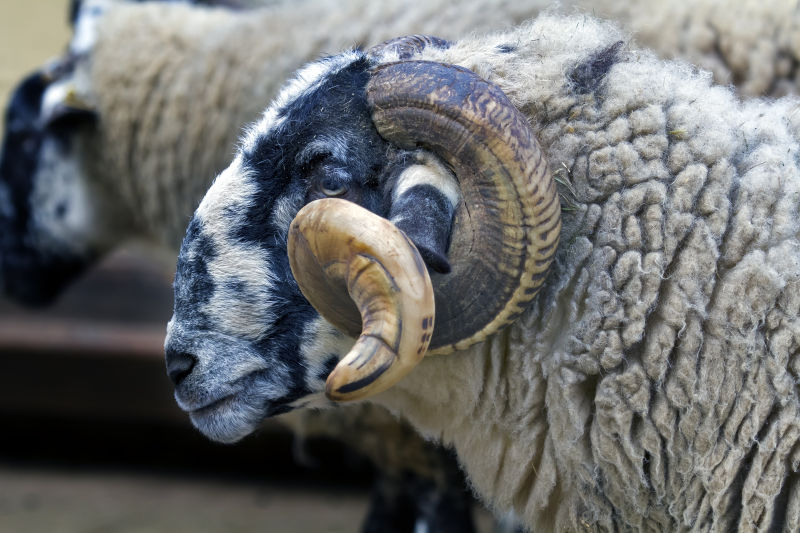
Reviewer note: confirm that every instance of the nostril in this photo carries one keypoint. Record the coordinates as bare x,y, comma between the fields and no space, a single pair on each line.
179,365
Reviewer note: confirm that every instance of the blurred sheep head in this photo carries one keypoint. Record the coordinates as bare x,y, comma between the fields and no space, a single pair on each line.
53,223
47,219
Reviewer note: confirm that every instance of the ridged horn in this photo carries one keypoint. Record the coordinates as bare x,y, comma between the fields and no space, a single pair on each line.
407,46
363,275
507,226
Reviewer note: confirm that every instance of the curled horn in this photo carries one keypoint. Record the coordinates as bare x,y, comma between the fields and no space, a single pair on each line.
364,275
507,225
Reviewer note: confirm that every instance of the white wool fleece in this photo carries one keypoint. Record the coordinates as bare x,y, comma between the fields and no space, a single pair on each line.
653,385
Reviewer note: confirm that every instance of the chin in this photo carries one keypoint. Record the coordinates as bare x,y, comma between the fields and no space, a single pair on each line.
234,417
228,420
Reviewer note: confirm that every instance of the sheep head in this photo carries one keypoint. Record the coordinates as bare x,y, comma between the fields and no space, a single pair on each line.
55,221
48,224
434,149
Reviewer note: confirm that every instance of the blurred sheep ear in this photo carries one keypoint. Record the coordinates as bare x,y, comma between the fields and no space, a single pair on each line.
74,8
424,202
63,105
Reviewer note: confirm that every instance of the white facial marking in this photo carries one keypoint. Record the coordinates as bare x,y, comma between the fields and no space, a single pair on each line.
320,341
284,211
233,186
236,263
433,173
245,266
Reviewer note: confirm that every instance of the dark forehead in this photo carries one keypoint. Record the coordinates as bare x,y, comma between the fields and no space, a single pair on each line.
334,108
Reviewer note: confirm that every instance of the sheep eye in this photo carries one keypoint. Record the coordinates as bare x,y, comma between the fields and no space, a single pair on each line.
331,187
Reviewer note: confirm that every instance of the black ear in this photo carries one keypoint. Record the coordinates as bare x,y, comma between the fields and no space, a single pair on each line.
74,7
66,116
22,139
70,109
26,100
425,215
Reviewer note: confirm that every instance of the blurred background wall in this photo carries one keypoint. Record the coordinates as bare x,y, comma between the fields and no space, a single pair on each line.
31,31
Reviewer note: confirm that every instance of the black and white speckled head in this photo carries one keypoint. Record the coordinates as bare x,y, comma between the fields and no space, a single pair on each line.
244,343
54,221
48,211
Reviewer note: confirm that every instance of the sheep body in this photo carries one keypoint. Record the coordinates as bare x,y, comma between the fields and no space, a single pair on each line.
653,384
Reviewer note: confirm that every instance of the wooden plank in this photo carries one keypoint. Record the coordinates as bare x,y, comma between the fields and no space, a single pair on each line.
82,337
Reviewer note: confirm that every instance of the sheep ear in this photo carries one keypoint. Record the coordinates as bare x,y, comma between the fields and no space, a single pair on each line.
72,14
63,105
423,205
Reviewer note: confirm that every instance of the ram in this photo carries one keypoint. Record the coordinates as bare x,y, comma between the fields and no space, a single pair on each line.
651,382
119,140
93,209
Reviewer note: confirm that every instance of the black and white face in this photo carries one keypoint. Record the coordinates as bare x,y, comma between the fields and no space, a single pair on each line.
49,213
244,343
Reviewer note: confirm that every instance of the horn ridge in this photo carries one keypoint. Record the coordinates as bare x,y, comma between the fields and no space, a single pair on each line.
507,225
407,46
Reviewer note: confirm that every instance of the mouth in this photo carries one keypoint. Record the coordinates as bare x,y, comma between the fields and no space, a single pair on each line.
228,419
199,393
229,416
231,386
217,405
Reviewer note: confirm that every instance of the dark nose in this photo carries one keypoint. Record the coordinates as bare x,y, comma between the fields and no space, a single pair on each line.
179,365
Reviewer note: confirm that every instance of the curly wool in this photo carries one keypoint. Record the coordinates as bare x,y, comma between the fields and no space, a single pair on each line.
751,44
652,386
